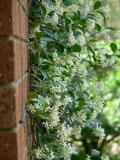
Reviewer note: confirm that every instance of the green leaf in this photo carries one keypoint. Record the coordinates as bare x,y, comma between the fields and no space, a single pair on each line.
113,47
76,48
60,48
41,100
67,21
38,34
98,27
92,51
32,95
97,5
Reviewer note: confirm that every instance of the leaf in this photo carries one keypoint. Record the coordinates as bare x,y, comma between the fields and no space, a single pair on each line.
44,74
68,21
41,99
76,48
60,48
32,95
98,27
38,35
113,47
97,5
92,51
81,101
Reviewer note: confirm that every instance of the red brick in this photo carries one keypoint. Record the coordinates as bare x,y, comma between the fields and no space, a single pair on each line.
13,68
9,61
25,90
13,60
18,69
13,145
8,146
6,61
24,24
9,18
13,19
25,5
24,50
29,4
27,130
10,113
22,144
12,103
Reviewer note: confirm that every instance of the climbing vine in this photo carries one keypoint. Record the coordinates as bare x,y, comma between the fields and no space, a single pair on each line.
66,57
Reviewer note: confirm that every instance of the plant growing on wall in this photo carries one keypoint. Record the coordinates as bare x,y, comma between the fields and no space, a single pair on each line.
66,91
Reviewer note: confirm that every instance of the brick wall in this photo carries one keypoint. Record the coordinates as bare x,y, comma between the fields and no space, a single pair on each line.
13,78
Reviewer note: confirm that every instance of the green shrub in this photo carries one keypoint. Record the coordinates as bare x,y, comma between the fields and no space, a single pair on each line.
67,57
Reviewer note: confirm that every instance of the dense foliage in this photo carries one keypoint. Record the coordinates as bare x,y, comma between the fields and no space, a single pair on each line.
109,117
66,89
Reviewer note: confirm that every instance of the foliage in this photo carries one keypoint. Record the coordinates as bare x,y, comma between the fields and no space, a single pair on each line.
66,89
109,117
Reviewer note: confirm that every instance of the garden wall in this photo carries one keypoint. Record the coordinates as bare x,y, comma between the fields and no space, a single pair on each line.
13,78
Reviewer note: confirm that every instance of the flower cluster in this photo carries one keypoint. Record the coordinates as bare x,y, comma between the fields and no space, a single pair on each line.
66,93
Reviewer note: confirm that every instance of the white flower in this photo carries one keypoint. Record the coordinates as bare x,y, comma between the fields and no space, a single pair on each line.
65,131
54,117
85,85
88,157
91,25
52,156
62,87
105,158
70,61
95,152
31,108
106,9
72,149
77,131
37,29
99,132
55,56
58,7
67,100
81,40
43,43
54,89
83,69
85,11
46,124
47,99
71,39
57,97
80,117
58,103
112,60
39,153
68,150
55,19
95,113
105,34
